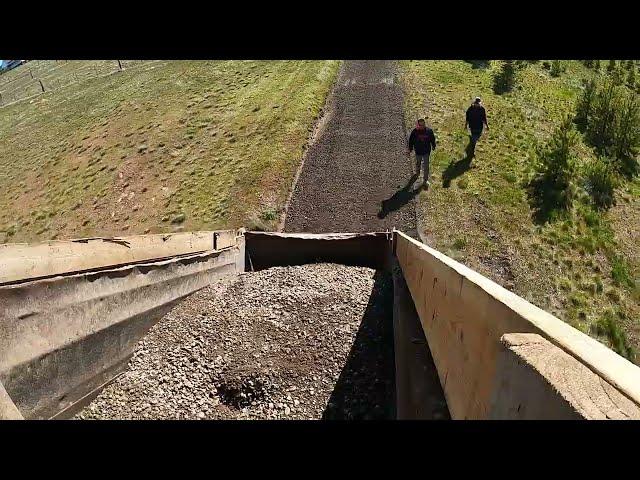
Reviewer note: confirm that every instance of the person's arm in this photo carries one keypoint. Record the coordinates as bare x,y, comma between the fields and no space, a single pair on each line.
433,139
412,140
466,122
484,118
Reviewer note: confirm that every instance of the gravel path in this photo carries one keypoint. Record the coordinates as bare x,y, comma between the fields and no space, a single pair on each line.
304,342
356,172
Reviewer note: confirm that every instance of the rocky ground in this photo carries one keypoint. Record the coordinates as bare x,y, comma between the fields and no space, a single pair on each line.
305,342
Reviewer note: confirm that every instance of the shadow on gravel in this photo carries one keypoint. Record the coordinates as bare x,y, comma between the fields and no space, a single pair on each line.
455,169
400,198
365,389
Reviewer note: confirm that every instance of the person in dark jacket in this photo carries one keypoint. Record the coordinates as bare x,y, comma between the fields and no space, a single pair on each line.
422,140
476,119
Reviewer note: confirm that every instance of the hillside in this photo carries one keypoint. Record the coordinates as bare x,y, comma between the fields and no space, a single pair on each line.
583,267
154,148
166,146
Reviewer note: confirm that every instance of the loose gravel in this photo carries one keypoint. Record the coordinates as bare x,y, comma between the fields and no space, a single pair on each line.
303,342
356,173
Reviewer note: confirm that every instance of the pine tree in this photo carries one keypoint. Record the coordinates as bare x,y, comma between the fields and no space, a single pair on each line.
602,116
631,78
558,155
612,66
556,68
617,75
596,65
627,134
585,104
505,79
600,181
552,187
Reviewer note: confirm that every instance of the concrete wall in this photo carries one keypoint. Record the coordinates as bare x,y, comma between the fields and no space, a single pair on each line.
464,316
8,409
69,321
63,337
271,249
536,380
22,261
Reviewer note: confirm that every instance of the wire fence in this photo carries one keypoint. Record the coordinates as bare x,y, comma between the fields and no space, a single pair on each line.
39,76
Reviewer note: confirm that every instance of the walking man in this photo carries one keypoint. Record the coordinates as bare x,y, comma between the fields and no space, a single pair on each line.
422,140
476,120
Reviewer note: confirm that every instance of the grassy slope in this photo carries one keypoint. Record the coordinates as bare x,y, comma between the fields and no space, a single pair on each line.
564,267
216,142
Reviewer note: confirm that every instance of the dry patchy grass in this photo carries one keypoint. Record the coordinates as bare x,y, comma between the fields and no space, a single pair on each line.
180,144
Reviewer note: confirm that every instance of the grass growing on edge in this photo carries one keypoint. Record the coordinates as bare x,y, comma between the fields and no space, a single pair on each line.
608,327
620,272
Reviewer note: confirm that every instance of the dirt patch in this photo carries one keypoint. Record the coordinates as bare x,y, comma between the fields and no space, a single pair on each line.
500,265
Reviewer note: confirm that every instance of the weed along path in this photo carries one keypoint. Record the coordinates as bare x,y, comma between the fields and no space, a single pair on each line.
356,173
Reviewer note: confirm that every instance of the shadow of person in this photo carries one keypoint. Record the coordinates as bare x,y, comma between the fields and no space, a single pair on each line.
400,198
455,169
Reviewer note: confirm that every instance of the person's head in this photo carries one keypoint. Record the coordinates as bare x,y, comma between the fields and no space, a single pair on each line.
477,101
421,123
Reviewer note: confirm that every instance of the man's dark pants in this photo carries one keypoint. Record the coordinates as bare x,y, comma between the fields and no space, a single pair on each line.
475,136
424,160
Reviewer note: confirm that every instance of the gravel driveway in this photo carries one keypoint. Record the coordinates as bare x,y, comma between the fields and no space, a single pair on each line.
355,173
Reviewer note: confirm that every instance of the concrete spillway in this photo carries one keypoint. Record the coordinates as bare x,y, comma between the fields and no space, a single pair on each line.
71,313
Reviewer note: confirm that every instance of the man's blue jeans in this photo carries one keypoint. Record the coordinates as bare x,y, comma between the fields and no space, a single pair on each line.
424,159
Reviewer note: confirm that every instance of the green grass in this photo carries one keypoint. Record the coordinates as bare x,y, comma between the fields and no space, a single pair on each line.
620,272
460,243
608,328
269,215
162,146
575,266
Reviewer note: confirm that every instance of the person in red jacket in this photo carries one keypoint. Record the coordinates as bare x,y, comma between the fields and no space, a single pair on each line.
422,140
